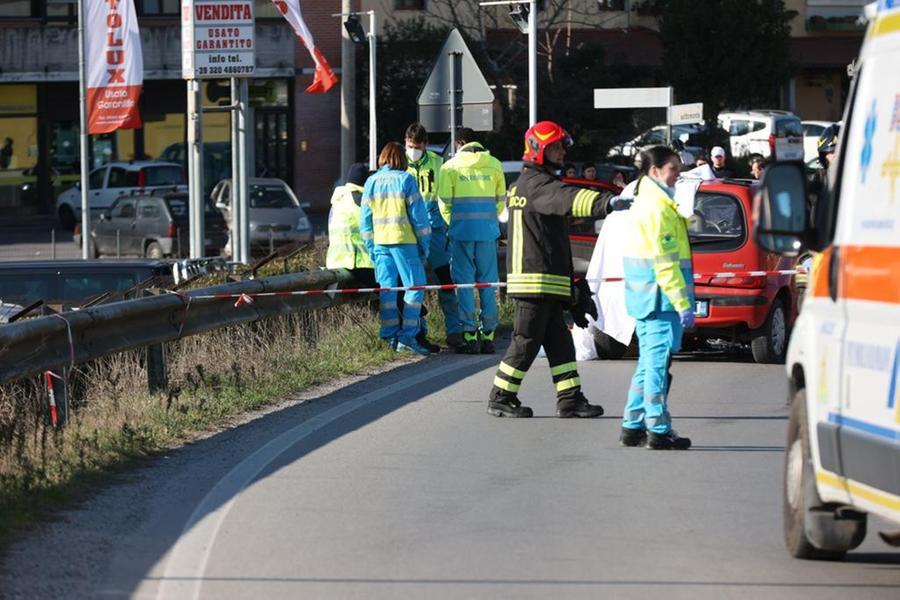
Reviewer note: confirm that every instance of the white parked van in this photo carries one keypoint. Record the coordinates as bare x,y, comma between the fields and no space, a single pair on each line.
842,459
770,134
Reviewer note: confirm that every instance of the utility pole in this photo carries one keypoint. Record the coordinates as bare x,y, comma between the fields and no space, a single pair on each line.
348,95
524,15
86,240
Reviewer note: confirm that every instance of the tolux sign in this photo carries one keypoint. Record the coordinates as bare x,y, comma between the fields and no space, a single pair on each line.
217,39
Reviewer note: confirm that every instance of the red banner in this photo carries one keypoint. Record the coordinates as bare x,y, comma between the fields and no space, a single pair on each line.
115,65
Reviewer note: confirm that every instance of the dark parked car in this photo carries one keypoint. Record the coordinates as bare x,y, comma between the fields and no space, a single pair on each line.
67,283
154,226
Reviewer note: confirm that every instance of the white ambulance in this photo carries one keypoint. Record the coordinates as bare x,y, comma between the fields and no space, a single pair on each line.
842,458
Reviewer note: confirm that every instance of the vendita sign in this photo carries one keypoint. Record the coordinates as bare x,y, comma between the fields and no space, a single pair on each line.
217,39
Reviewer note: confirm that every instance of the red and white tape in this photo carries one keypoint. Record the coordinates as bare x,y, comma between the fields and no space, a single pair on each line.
48,379
246,298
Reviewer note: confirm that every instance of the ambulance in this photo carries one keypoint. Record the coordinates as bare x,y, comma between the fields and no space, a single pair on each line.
842,457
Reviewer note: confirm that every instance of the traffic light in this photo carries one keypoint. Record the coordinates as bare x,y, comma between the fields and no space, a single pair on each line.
355,30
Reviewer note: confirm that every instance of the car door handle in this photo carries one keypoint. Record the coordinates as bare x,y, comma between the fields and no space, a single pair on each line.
833,273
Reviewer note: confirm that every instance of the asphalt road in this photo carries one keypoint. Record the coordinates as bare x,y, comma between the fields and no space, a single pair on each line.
400,486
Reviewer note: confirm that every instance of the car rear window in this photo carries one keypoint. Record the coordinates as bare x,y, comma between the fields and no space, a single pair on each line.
270,196
54,286
788,128
718,223
163,175
180,209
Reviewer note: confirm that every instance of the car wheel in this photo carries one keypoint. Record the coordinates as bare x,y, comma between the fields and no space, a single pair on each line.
608,348
800,498
66,217
769,342
153,250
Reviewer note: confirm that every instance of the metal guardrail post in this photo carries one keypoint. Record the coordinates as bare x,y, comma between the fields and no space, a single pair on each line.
53,244
118,244
157,368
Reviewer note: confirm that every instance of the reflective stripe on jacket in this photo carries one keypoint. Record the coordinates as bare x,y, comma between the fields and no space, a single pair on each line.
658,271
427,173
392,211
538,257
471,193
345,246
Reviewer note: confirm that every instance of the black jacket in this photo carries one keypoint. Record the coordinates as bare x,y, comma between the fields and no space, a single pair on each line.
538,259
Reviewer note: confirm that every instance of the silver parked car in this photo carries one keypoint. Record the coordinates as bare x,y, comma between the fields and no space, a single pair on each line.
276,215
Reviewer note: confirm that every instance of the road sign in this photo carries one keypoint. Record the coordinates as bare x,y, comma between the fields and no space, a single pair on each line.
659,97
217,39
685,114
475,100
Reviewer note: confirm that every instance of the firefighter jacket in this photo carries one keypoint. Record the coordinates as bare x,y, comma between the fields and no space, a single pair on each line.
658,272
472,192
426,171
538,257
345,246
392,212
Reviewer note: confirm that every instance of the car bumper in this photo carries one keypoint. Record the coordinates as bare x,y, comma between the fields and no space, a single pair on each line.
731,308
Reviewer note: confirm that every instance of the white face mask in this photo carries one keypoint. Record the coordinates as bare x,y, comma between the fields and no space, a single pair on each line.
414,154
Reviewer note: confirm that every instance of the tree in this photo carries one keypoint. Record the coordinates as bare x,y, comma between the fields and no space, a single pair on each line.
727,53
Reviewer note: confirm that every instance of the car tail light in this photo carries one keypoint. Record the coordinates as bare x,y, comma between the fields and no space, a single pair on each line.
142,178
772,144
756,281
77,229
172,231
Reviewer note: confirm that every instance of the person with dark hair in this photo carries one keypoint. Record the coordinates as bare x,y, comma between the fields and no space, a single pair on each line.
757,166
425,166
659,294
471,193
539,266
570,170
6,153
589,171
346,249
395,229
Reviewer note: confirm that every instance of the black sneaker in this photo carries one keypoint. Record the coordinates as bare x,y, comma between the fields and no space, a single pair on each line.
487,342
667,441
455,340
470,344
577,407
508,407
633,437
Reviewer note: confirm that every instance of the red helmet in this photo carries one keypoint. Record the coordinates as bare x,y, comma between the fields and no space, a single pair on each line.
539,136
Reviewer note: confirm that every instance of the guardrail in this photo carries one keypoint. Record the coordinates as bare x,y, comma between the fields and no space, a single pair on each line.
55,341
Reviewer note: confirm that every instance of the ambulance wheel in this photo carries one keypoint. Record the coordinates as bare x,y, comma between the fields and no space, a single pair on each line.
804,512
769,342
608,348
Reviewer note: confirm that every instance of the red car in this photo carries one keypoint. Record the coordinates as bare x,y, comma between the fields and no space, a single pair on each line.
744,309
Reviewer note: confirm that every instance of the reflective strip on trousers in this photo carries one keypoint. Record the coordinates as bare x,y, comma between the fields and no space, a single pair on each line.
564,368
567,384
506,385
511,371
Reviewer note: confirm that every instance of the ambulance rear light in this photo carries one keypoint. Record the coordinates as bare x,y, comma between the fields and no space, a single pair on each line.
756,282
772,144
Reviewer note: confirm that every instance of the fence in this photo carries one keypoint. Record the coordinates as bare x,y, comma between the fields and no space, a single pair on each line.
59,341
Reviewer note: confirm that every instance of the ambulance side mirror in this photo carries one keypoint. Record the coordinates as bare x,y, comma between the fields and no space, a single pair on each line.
780,210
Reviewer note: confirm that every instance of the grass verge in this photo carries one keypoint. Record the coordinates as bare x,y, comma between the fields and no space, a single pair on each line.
213,378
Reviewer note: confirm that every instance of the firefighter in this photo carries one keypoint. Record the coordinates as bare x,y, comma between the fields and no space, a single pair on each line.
394,227
539,264
345,246
472,192
659,294
425,166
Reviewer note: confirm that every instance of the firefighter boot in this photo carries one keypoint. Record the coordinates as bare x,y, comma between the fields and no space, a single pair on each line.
470,344
508,406
577,407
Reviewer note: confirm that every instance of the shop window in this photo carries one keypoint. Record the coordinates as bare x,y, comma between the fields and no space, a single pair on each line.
16,8
266,9
162,136
157,7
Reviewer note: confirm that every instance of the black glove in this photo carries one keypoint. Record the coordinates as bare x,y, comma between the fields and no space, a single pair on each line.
582,303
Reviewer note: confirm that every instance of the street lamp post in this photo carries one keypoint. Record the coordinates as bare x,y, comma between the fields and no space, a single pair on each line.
524,15
358,36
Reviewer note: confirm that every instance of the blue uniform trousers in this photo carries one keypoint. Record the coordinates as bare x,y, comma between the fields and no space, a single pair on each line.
475,262
439,261
391,262
659,336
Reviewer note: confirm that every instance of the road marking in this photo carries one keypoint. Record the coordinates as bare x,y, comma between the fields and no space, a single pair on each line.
183,575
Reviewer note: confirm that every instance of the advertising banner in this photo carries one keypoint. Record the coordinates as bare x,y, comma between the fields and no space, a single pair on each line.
218,39
114,65
324,78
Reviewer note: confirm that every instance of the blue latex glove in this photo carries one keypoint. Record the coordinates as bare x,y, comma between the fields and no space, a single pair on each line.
687,318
